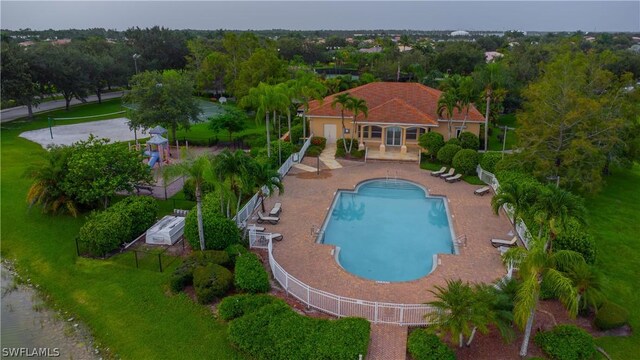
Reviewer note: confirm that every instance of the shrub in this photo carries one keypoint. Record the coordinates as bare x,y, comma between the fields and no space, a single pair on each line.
576,238
277,332
432,142
425,346
182,276
447,152
566,342
355,153
233,307
469,140
319,141
141,210
235,250
296,133
104,232
465,161
219,232
313,151
489,160
211,281
211,257
453,141
286,149
611,316
256,141
189,189
510,163
250,275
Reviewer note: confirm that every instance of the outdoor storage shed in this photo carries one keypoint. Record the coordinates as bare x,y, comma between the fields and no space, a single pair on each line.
166,231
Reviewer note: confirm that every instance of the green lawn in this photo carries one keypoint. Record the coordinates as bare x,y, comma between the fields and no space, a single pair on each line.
435,166
494,142
614,219
128,311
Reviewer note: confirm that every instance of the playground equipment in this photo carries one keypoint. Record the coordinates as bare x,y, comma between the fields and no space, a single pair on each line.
157,150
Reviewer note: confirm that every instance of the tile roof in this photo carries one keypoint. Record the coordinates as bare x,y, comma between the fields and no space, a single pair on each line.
393,102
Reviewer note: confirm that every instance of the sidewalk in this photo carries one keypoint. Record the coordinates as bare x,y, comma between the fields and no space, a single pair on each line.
21,111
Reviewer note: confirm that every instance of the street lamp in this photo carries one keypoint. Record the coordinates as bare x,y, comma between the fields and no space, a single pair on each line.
504,140
135,61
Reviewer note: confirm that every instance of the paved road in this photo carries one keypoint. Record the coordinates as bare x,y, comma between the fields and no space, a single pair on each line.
21,111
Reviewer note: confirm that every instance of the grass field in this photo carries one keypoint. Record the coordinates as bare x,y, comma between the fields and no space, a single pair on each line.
614,219
127,310
494,142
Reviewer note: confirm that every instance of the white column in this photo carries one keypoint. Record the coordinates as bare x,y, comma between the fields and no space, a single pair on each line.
403,136
383,137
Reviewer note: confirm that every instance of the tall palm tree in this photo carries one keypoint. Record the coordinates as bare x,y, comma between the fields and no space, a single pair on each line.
306,87
265,99
357,106
458,311
265,177
588,283
492,76
200,170
343,101
236,168
518,195
467,93
555,206
46,190
535,266
447,104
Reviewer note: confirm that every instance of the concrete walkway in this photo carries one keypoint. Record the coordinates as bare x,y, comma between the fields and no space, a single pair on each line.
21,111
304,167
388,342
328,157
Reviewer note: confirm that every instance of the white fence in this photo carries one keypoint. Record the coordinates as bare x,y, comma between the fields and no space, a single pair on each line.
376,312
521,227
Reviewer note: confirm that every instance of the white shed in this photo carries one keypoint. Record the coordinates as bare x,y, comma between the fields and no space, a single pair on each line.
166,231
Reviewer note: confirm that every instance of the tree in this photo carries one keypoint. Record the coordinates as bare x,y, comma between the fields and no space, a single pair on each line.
554,208
343,101
573,120
236,167
160,48
448,103
535,266
232,119
492,77
519,196
262,66
200,170
307,87
265,177
97,170
432,142
458,57
47,189
17,81
356,106
467,94
163,98
265,99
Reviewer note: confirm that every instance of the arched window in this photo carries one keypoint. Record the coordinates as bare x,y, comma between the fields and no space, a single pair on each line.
376,132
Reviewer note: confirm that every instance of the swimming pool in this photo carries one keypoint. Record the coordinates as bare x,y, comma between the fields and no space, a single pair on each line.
388,230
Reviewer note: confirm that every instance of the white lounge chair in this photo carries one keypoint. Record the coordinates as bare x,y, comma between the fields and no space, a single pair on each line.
270,219
449,173
439,172
481,191
499,242
277,208
453,178
256,228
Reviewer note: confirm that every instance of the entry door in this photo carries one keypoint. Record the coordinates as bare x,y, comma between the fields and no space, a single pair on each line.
394,135
330,133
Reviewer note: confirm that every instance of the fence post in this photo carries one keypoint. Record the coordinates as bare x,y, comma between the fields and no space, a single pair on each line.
160,261
135,254
375,313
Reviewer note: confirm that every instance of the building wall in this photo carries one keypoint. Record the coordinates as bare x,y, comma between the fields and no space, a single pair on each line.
444,129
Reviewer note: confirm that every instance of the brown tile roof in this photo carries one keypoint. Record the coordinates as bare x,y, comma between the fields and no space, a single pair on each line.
393,102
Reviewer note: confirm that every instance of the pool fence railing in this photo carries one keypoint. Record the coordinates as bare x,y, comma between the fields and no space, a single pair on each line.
521,228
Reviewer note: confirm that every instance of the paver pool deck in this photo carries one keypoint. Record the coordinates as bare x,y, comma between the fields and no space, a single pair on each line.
308,196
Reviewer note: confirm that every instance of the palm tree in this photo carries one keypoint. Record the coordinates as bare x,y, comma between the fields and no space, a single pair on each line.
265,99
307,87
200,170
265,177
588,283
492,77
404,41
343,100
447,103
556,207
236,167
518,195
356,106
46,190
466,95
535,266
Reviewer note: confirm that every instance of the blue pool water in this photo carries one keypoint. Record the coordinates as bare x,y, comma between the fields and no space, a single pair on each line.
388,230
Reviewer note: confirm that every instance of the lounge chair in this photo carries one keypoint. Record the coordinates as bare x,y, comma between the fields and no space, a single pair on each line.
499,242
481,191
256,228
270,219
276,237
277,208
439,172
453,178
447,174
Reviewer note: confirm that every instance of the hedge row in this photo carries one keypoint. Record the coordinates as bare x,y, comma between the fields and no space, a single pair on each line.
233,307
105,231
250,275
425,346
566,342
276,332
183,275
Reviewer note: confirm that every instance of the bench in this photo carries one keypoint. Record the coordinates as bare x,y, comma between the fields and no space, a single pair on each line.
143,187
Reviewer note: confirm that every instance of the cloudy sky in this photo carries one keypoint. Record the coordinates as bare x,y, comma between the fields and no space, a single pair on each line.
542,15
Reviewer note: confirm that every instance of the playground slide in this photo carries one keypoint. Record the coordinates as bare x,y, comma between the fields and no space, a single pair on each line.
154,158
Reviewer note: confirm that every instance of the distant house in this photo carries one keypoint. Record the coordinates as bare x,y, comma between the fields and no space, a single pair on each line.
375,49
61,41
26,43
398,113
460,33
489,56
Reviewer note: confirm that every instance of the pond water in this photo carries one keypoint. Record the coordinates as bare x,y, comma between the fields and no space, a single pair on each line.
28,327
